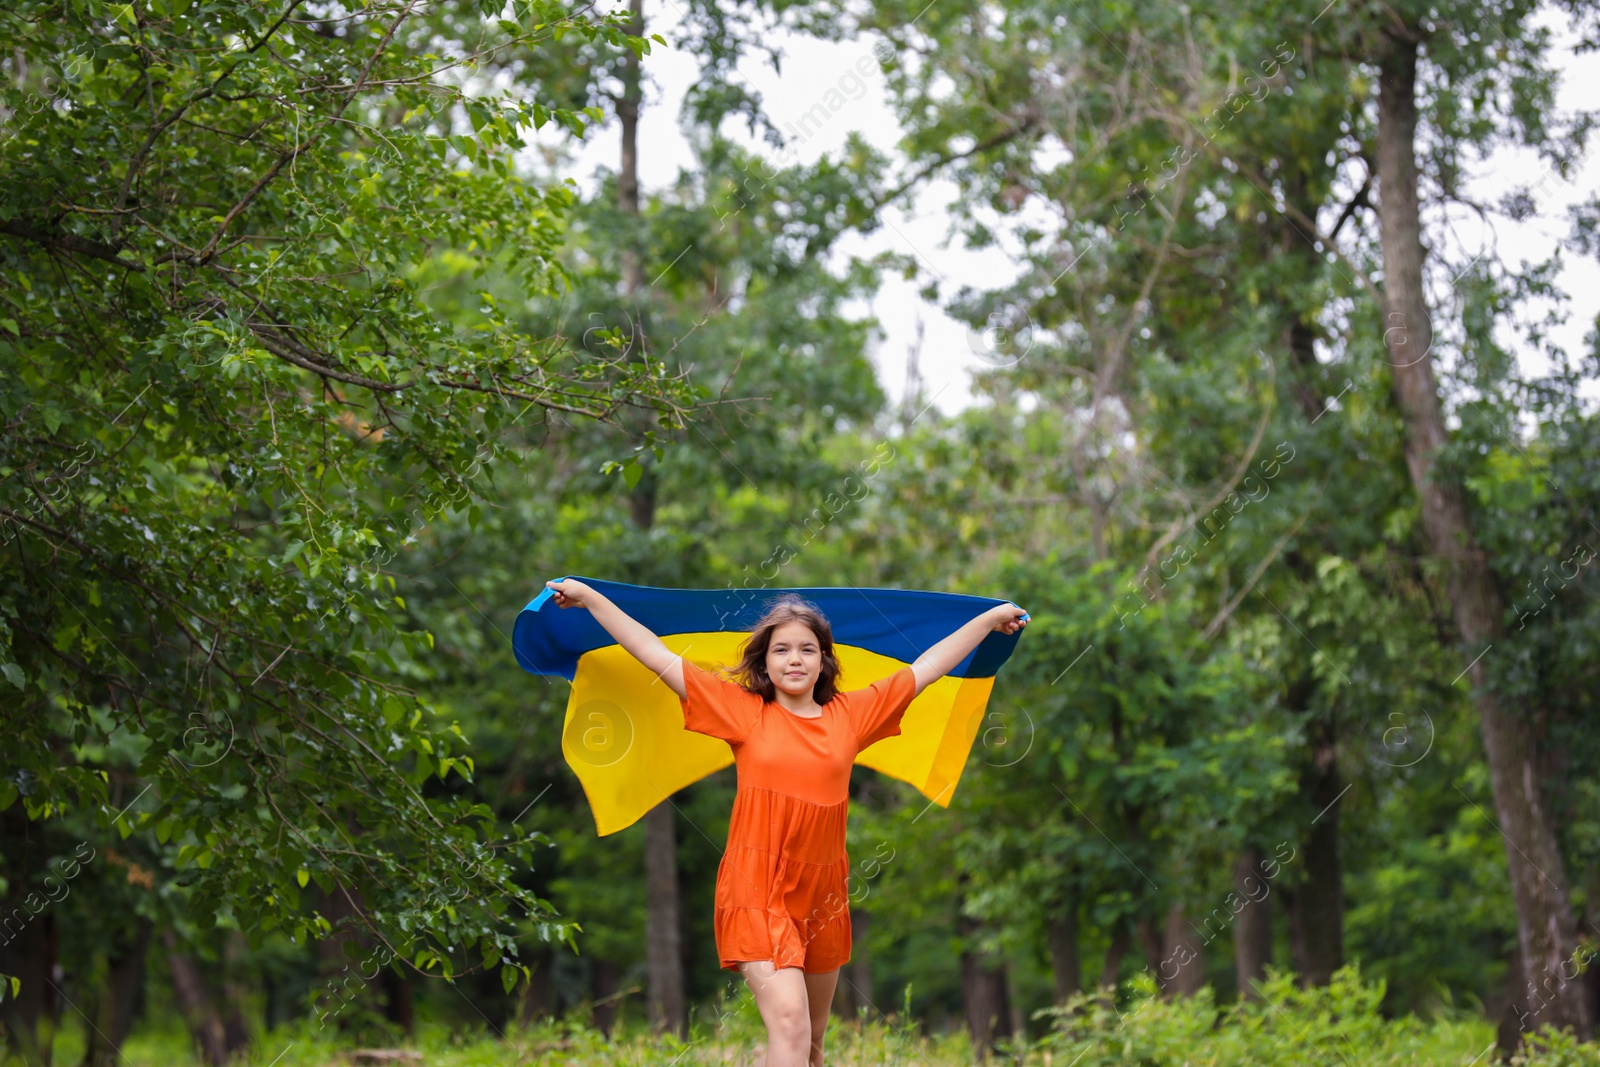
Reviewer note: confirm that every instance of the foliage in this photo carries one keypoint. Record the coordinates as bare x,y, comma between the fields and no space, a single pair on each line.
1338,1023
311,375
226,406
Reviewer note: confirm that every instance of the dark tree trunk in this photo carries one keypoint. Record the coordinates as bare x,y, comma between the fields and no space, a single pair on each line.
536,1000
1252,928
604,988
113,1009
398,999
1065,967
1112,970
1317,925
1306,380
983,992
665,1003
1316,913
1018,1028
663,947
1150,945
1183,957
1591,976
193,994
342,982
1546,929
235,992
29,953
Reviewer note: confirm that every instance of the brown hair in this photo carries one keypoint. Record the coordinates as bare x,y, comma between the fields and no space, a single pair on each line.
751,670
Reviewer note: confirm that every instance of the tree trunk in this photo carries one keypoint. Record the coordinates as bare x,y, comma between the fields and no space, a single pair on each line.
1184,956
1546,930
1252,928
983,992
341,982
1150,945
235,992
29,953
1017,1026
664,1001
1307,373
191,989
604,987
1065,967
536,1001
663,947
1508,1021
628,176
1591,975
1112,970
113,1009
398,999
1316,912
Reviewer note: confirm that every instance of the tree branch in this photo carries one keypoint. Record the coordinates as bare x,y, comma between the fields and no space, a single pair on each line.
1028,122
284,350
1360,200
68,242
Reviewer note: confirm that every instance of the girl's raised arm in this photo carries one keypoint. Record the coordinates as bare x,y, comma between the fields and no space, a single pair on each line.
631,634
939,660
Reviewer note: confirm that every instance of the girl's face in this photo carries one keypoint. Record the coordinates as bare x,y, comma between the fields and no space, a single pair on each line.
794,659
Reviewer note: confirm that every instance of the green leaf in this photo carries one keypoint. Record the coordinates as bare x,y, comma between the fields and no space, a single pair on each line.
508,977
302,876
14,675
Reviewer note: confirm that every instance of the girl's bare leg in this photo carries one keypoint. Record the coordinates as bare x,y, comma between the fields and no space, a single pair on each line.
819,994
781,997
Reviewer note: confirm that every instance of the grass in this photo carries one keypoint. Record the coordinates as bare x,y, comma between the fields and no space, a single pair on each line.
1339,1026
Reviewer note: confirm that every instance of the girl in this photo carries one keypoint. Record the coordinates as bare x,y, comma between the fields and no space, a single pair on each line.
782,910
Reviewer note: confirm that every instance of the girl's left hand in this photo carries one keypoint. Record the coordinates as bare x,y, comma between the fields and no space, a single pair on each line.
1008,618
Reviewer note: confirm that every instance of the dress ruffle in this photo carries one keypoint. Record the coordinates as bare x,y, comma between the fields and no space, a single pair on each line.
782,892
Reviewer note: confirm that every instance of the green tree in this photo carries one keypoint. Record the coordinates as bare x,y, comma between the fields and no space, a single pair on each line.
225,402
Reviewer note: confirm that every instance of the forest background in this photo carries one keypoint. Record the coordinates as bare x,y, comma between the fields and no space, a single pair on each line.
315,370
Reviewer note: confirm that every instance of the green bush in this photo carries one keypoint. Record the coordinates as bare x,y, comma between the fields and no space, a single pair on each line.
1286,1026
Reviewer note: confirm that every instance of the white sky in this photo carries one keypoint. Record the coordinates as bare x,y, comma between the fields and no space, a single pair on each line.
949,354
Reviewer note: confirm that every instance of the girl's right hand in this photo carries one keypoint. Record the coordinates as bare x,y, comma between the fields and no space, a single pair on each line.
569,593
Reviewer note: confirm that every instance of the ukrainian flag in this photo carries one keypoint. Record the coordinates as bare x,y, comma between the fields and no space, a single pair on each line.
624,735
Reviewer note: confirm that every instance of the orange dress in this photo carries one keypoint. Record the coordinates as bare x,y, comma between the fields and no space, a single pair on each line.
781,887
